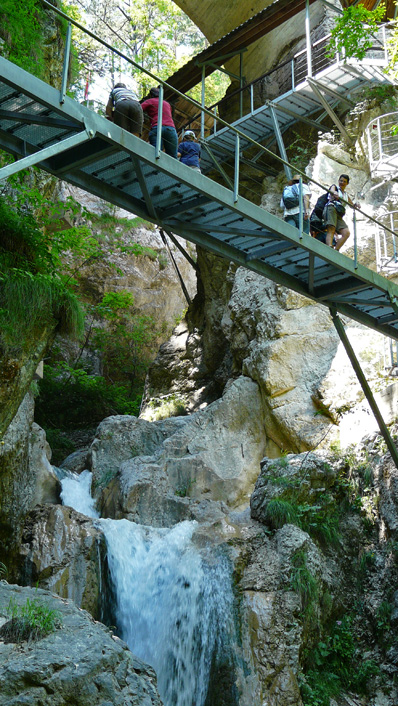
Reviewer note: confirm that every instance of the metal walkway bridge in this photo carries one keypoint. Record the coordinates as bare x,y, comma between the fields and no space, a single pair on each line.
76,145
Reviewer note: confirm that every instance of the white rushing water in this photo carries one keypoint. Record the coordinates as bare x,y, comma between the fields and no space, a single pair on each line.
76,493
174,603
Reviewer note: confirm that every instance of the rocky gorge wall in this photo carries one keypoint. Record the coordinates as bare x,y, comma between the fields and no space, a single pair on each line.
262,373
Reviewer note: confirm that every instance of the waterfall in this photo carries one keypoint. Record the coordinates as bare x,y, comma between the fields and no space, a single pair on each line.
76,492
174,602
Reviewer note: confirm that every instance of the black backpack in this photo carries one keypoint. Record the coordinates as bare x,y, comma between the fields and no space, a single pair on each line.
317,212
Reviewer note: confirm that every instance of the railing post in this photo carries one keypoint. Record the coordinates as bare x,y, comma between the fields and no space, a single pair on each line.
355,240
159,130
241,85
380,141
383,31
202,115
293,80
66,63
236,169
251,98
301,215
308,37
215,120
394,242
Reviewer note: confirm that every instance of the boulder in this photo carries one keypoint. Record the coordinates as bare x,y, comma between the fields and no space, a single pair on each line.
212,457
63,551
79,662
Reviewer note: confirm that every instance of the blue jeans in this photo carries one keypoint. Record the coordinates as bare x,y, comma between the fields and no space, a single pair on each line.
169,139
294,220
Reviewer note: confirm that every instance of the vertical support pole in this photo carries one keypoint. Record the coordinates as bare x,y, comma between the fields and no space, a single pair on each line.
308,37
365,386
202,115
394,242
215,120
66,64
355,240
236,169
301,215
379,140
160,117
251,98
383,30
293,79
241,85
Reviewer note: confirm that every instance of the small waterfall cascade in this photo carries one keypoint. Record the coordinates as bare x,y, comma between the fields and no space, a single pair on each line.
174,602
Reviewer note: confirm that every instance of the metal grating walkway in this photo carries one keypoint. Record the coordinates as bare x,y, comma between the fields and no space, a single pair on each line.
76,145
300,96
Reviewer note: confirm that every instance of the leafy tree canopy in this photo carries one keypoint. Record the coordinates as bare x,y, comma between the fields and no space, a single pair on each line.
156,34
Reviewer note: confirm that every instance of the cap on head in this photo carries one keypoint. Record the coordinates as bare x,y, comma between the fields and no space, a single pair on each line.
296,177
119,85
190,133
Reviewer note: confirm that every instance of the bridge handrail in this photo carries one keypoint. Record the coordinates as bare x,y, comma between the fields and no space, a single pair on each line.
238,133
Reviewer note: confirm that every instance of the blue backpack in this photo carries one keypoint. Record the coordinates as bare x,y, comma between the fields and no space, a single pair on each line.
291,196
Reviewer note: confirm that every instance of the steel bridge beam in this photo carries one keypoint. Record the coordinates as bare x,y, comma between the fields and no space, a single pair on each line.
365,386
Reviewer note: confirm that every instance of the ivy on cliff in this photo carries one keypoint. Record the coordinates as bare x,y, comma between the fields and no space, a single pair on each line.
21,23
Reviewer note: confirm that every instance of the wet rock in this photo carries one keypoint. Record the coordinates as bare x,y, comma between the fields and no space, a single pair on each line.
63,551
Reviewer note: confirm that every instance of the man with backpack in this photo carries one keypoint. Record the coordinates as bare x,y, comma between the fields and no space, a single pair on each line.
335,210
290,202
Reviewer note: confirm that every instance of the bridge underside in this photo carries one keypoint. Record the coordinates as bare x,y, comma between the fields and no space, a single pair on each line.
86,150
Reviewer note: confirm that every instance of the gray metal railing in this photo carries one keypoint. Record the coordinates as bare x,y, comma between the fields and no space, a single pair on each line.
382,138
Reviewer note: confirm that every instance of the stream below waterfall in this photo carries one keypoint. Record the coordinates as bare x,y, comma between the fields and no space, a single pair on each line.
174,601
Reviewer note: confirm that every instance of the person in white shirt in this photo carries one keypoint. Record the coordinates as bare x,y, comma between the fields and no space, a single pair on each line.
334,211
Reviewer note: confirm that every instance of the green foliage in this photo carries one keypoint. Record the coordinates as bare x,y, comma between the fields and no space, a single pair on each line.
3,570
302,581
279,512
184,489
335,664
164,407
33,294
353,30
383,619
21,27
71,398
32,620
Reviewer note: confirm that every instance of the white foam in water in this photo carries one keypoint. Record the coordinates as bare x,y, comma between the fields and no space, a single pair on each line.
76,493
174,607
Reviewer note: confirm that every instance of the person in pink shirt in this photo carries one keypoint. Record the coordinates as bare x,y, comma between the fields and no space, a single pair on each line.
150,106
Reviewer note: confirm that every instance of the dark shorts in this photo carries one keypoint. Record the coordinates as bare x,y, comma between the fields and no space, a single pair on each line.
129,116
332,218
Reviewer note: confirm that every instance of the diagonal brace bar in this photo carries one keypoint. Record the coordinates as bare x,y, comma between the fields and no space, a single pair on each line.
45,153
329,110
365,386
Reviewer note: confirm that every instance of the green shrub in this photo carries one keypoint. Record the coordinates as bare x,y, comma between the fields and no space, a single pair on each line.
31,621
71,398
302,581
335,664
279,512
